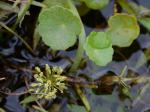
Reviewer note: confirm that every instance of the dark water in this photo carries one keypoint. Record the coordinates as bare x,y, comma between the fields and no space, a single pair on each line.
17,64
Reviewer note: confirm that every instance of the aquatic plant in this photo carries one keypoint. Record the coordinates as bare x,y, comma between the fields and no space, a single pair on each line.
60,27
48,83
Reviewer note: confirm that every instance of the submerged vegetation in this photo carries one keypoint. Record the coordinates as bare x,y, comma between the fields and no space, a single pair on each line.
51,59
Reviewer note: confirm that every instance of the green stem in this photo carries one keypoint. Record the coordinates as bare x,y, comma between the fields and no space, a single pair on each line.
83,98
16,3
125,5
22,40
79,53
82,37
38,4
123,71
22,13
80,83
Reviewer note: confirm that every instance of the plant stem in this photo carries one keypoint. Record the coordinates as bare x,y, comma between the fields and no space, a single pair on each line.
78,57
83,98
22,12
81,83
79,53
123,71
22,40
15,94
125,5
82,37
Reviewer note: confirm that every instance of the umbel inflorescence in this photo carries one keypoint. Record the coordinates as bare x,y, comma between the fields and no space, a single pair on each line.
48,82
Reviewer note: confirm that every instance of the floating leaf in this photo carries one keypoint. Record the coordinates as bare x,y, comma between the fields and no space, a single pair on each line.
98,48
123,29
59,27
96,4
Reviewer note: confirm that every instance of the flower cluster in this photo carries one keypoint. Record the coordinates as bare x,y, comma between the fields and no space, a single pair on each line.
48,82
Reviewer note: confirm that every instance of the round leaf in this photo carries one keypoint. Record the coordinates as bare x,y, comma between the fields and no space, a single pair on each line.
123,29
96,4
58,27
97,42
101,53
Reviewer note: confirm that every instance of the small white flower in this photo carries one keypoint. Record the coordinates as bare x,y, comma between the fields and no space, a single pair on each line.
48,83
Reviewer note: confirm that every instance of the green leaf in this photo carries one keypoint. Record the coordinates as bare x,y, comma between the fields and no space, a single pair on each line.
145,21
95,40
28,99
59,27
143,14
96,4
123,29
98,48
52,3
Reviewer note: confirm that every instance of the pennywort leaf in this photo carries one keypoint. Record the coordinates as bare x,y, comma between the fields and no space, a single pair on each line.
52,3
58,25
98,47
123,29
96,4
95,40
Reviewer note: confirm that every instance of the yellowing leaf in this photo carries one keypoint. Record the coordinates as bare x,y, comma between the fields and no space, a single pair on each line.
123,29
